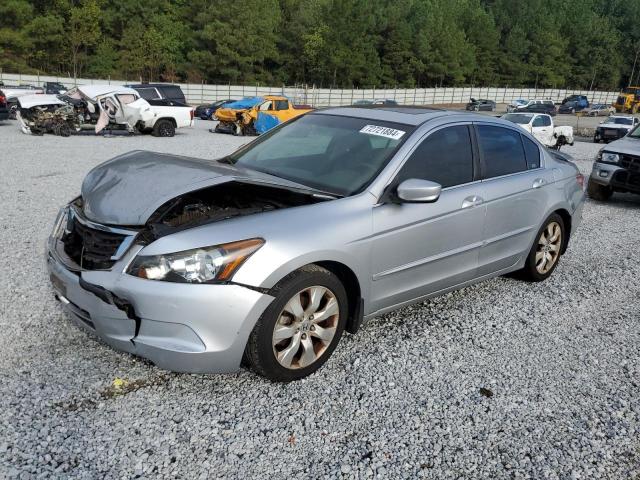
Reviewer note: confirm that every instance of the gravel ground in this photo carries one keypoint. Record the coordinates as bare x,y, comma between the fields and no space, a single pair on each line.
500,380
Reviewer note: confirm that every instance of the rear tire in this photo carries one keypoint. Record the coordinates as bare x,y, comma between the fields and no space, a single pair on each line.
546,250
285,360
599,192
164,128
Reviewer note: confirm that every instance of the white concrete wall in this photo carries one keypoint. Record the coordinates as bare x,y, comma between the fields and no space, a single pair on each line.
324,97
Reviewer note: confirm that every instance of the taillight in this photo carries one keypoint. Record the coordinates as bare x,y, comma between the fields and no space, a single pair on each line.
580,180
3,99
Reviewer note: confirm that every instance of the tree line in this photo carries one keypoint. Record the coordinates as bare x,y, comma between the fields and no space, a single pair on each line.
341,43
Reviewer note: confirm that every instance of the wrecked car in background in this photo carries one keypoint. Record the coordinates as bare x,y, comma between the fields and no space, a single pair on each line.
515,104
541,126
12,93
101,108
256,115
481,105
601,110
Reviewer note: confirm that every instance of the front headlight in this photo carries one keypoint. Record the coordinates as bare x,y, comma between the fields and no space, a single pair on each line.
610,157
212,264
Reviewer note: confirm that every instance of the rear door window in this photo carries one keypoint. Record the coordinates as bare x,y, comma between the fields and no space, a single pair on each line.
502,151
282,105
148,93
445,157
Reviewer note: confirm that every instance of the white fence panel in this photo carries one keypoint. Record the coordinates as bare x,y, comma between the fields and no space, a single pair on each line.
325,97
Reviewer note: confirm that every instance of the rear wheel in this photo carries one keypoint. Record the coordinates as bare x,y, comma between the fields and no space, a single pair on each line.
546,250
300,329
598,192
164,128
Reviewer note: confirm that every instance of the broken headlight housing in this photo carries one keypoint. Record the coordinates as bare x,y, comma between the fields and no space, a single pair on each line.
212,264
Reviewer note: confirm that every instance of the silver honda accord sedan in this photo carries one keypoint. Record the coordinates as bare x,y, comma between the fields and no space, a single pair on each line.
266,256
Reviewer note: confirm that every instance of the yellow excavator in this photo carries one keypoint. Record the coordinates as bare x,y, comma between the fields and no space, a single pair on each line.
628,101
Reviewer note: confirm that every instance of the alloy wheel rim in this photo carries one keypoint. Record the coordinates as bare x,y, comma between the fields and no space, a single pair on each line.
548,248
305,327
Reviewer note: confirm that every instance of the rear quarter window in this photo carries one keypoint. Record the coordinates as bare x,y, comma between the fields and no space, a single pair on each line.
532,153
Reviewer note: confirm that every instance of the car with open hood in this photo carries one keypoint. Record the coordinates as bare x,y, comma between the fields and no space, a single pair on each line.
269,254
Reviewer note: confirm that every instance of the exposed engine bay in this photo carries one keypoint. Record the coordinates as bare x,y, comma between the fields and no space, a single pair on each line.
221,202
57,119
94,108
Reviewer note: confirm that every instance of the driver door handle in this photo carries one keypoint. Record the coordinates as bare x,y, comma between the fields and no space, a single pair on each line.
538,182
472,201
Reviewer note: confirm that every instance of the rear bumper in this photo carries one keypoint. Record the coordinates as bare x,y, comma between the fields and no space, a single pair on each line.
179,327
4,113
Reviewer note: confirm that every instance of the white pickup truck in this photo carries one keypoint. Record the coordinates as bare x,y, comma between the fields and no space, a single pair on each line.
100,107
541,126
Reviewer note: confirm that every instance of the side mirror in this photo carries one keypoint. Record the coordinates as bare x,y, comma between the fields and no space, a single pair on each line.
415,190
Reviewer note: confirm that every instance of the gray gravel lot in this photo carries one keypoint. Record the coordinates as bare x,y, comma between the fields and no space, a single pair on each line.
500,380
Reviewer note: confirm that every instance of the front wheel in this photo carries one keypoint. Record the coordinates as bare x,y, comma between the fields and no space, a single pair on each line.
599,192
546,250
300,329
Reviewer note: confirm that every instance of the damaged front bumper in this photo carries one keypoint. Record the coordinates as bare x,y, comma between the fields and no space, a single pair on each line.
179,327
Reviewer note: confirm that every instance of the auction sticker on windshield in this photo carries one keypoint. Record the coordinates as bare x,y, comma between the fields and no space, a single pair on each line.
382,131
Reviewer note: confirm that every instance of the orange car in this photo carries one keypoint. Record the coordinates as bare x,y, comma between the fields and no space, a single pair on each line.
256,115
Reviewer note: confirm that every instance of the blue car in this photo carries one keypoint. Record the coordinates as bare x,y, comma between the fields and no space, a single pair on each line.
208,112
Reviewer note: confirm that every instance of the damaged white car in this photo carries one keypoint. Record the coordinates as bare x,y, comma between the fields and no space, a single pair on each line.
541,126
101,108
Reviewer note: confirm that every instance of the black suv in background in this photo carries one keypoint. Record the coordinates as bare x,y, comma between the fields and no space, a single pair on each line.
54,88
542,107
161,94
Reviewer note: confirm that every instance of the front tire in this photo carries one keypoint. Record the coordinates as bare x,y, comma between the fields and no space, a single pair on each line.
545,252
301,328
599,192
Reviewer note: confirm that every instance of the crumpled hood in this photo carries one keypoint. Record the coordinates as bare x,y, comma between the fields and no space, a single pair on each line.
128,189
626,145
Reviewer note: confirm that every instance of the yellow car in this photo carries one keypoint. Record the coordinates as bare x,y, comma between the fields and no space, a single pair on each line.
256,115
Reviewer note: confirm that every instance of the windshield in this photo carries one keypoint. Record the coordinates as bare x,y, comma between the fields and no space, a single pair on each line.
520,118
620,121
635,133
335,154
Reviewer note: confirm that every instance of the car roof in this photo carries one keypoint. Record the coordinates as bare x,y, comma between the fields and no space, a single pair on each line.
407,115
153,85
93,91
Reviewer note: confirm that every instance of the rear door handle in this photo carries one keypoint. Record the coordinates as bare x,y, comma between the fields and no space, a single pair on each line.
538,182
472,201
